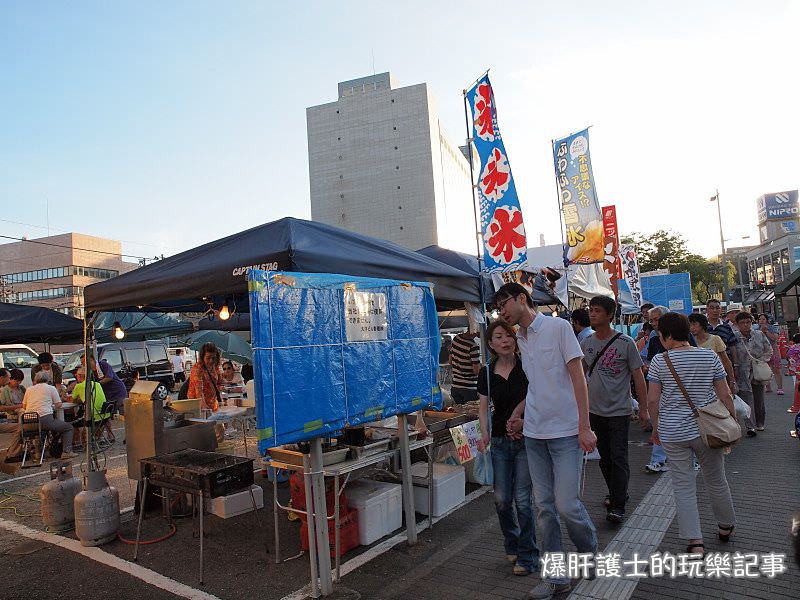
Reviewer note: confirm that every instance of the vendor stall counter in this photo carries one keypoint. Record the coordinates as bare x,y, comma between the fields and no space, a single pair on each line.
349,470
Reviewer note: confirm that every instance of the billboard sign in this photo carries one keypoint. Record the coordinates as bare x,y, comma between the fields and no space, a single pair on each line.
778,206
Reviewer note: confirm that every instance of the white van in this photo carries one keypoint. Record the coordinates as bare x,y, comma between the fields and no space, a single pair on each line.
19,356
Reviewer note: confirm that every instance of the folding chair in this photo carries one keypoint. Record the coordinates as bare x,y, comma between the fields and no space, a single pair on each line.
31,430
100,426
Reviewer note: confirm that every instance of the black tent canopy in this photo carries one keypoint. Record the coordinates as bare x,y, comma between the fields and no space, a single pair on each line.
469,264
216,272
23,324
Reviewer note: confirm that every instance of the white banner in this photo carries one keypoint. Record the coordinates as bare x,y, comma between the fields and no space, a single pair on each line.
630,270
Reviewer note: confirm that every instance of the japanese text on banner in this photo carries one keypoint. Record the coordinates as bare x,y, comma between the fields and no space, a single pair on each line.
504,242
630,270
611,248
583,223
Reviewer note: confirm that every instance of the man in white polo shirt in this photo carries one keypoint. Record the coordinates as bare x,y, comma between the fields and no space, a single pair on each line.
556,427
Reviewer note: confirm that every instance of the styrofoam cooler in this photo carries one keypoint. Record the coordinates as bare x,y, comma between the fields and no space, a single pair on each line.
380,508
236,504
449,482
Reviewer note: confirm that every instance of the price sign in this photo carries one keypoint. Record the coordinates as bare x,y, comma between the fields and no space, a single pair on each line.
465,437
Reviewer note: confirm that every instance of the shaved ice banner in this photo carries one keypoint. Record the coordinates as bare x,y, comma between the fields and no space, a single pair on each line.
583,222
504,243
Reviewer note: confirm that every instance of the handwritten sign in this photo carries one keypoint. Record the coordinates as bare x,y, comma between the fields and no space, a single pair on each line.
365,316
465,437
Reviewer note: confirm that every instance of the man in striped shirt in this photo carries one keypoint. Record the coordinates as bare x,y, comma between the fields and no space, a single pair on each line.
465,362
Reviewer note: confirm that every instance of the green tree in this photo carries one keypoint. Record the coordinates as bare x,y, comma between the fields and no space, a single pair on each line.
667,250
660,250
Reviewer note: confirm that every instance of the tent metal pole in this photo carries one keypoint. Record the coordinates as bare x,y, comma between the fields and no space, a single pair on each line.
320,511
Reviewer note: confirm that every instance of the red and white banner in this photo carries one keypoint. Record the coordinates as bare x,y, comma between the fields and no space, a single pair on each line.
611,262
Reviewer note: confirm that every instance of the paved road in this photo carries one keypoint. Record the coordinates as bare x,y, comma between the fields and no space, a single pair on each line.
461,557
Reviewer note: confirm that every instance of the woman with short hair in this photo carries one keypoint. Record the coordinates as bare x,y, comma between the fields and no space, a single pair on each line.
773,335
42,398
675,427
751,346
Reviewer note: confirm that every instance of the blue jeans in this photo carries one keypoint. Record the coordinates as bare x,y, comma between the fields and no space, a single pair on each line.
512,486
658,455
555,467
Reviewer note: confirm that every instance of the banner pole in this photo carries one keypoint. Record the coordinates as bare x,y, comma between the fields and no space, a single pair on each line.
478,237
561,221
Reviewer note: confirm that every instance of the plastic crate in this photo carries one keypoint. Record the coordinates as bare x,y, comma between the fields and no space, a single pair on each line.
348,534
298,493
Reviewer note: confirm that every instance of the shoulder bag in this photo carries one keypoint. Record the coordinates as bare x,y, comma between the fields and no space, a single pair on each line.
761,370
600,354
718,428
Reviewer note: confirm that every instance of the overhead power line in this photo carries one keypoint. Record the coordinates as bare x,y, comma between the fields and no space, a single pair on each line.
9,237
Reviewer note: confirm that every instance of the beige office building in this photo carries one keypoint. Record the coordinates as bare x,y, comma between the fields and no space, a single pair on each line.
52,271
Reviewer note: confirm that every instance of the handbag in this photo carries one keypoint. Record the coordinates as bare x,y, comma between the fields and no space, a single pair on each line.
718,428
761,370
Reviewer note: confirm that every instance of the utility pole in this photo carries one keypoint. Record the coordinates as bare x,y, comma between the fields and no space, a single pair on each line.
724,258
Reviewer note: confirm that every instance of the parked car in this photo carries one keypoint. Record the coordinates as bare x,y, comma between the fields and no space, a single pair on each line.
129,358
19,356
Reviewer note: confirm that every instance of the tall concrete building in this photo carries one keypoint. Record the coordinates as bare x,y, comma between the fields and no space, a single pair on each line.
380,164
52,271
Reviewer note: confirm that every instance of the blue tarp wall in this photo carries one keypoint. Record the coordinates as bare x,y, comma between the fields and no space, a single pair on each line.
673,291
311,380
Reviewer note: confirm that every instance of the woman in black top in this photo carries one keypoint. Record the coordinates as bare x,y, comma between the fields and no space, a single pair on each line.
512,480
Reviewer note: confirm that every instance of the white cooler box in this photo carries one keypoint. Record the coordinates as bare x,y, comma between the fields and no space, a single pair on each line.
449,484
379,505
236,504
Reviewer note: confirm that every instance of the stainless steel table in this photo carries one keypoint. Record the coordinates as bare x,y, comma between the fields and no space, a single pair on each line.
350,469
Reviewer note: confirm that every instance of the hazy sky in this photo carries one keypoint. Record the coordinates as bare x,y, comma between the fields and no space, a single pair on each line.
169,124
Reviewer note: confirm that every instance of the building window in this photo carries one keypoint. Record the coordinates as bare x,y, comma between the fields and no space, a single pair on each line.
399,208
401,228
398,187
394,128
42,274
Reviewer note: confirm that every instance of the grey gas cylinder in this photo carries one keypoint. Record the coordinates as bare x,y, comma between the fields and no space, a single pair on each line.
96,510
57,497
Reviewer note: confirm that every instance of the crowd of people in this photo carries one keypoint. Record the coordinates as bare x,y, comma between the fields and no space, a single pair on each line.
207,380
555,390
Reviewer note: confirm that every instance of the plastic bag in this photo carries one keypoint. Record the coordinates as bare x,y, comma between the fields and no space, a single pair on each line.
741,407
482,470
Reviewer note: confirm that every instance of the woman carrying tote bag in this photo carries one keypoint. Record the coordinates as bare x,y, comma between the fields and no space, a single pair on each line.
675,427
753,372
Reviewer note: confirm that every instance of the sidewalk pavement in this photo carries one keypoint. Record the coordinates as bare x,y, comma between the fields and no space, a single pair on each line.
463,557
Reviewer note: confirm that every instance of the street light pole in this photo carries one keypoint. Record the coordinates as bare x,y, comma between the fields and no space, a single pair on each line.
724,258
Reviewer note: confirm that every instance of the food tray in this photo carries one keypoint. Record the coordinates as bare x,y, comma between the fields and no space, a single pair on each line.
370,449
292,457
451,419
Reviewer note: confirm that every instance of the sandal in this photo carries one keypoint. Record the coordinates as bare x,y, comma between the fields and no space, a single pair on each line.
725,537
697,545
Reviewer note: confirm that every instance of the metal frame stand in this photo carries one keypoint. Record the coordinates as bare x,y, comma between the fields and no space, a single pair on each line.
312,538
320,518
408,492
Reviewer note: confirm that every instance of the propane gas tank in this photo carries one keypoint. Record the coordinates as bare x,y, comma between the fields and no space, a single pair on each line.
58,495
96,510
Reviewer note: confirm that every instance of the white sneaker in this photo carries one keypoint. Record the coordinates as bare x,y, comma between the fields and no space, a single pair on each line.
656,467
545,591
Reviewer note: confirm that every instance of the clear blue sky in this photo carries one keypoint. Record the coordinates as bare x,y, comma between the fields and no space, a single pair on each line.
174,123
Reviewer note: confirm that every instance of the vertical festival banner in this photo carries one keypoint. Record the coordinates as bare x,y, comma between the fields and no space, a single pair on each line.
611,263
583,223
504,243
630,270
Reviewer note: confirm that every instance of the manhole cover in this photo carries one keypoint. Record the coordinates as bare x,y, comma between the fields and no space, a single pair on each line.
26,548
